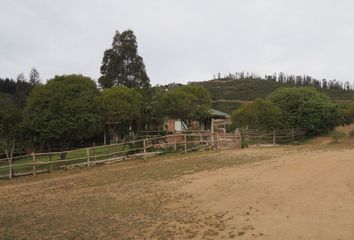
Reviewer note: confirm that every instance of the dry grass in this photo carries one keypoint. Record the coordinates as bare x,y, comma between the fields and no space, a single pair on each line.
117,201
128,200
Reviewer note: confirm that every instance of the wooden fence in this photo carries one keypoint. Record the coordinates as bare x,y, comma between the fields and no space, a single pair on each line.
251,136
36,163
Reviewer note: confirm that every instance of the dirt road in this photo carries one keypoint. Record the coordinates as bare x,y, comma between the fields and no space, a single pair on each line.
295,192
304,195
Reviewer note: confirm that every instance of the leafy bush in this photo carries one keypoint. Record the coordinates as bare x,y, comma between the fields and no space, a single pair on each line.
351,133
187,103
244,143
347,112
306,108
64,111
227,107
261,114
336,135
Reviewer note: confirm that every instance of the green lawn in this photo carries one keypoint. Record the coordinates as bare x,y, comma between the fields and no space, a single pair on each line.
56,160
52,161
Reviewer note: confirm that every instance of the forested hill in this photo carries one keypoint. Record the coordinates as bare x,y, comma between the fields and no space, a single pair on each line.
229,93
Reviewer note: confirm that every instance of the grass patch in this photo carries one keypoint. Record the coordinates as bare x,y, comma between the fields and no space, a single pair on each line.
52,161
351,134
336,135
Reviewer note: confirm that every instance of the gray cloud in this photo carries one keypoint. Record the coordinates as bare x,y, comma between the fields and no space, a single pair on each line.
182,40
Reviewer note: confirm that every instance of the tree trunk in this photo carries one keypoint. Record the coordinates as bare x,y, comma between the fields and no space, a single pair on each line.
9,151
104,135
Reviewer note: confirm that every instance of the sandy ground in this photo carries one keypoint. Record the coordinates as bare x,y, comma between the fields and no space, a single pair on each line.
288,192
305,195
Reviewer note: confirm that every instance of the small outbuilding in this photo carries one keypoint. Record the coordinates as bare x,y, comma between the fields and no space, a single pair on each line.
215,122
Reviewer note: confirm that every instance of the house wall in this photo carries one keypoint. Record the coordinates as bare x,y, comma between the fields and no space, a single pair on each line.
170,125
205,125
175,125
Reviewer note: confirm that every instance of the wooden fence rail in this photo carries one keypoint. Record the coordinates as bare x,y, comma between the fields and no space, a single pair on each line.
276,136
35,163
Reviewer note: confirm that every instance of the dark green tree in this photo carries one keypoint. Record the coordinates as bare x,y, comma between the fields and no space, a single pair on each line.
7,86
306,108
261,114
187,103
122,65
23,89
347,113
63,112
10,120
34,77
122,108
21,77
152,117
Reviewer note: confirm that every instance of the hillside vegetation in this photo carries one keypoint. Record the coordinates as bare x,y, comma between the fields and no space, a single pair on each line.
228,94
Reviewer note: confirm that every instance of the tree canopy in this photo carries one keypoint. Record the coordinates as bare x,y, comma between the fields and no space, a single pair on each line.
121,104
122,65
306,108
7,86
34,77
10,120
347,113
65,110
261,114
153,116
10,117
122,108
21,88
187,103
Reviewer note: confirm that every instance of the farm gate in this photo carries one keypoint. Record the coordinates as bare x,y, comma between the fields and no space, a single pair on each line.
227,140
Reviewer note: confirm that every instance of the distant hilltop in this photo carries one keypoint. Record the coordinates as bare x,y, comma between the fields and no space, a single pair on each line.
230,91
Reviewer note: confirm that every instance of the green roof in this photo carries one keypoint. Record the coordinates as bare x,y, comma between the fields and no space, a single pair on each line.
218,114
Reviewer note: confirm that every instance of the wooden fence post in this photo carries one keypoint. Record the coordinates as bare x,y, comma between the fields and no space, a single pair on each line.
94,151
144,144
175,141
210,141
217,140
273,137
51,164
292,134
104,135
240,140
88,156
10,168
185,143
33,164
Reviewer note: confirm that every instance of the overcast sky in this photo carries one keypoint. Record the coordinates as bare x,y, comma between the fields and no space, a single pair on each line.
180,40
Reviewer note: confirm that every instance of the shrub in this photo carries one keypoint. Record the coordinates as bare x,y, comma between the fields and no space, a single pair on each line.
336,135
244,143
347,112
261,114
187,103
306,108
351,133
63,112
